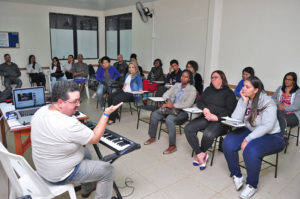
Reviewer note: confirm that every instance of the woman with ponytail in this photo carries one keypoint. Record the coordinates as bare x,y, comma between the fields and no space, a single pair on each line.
260,137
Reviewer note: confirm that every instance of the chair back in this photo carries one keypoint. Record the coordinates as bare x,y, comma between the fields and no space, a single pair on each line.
91,70
24,180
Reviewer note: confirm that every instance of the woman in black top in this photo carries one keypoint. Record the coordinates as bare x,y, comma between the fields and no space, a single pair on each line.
193,67
216,101
156,73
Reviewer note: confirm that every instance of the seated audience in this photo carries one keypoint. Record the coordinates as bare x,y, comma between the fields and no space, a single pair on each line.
133,82
35,72
156,74
58,144
56,72
11,73
80,71
193,67
247,72
216,101
122,67
133,59
174,73
106,74
287,99
259,138
181,95
68,67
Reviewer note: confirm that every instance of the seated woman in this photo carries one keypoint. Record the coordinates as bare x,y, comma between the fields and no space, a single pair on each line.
35,72
287,99
57,73
193,67
133,82
156,74
259,138
133,59
106,74
216,101
181,95
68,67
247,72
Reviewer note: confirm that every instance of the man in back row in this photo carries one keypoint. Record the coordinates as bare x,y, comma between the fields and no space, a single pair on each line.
11,73
58,141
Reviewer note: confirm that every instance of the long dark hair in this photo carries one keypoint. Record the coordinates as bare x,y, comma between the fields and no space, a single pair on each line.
160,62
223,77
190,75
193,64
58,63
256,83
29,61
295,86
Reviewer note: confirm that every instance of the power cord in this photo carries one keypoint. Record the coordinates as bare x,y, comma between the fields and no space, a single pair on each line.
128,184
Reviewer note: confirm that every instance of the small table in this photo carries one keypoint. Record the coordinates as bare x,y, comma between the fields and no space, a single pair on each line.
19,130
192,110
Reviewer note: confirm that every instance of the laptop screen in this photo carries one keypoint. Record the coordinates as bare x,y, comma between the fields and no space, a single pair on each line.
29,97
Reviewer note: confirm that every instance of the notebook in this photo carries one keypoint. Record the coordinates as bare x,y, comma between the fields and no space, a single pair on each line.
27,101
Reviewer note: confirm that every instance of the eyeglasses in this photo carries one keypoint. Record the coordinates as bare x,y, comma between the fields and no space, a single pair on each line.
288,79
214,77
77,102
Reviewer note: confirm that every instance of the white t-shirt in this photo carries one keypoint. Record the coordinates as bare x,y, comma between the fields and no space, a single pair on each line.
67,66
57,141
127,84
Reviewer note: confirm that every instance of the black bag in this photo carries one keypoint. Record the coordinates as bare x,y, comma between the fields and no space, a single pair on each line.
6,94
169,111
57,75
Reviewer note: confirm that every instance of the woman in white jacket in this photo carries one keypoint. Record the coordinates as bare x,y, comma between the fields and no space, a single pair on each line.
260,137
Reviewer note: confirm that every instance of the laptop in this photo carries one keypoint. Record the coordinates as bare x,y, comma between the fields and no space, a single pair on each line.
27,101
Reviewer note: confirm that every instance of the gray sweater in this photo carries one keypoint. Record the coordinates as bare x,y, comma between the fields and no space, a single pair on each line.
80,68
187,99
10,71
295,101
266,121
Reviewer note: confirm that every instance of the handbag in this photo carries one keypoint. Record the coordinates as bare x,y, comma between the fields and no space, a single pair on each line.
57,75
168,111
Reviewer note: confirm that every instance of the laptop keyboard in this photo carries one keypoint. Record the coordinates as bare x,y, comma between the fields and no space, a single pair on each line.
29,112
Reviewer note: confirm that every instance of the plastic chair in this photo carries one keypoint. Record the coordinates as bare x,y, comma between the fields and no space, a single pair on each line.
25,181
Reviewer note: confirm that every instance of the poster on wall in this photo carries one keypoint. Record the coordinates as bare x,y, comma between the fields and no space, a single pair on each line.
9,40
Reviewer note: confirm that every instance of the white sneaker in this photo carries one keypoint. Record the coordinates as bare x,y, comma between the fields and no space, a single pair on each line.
239,182
248,192
94,96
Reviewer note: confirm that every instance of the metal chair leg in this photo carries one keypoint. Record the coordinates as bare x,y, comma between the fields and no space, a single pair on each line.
276,165
213,151
288,138
138,120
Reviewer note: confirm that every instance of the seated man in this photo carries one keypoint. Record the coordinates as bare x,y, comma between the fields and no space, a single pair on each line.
11,73
174,73
80,71
58,143
122,67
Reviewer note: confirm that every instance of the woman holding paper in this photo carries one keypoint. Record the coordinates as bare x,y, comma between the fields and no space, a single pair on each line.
217,101
133,82
260,137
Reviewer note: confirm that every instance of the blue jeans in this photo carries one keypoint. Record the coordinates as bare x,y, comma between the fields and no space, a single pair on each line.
53,80
253,153
89,171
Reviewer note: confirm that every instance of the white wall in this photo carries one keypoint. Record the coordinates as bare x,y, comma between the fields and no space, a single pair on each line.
263,34
32,23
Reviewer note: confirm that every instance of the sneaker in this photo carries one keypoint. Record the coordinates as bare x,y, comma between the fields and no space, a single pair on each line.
239,182
248,192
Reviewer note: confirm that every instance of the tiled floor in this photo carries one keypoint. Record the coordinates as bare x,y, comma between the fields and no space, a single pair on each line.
158,176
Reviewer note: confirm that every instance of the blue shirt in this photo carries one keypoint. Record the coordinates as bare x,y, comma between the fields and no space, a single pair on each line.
177,98
239,88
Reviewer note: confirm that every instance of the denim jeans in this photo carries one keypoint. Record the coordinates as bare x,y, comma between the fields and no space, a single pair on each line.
53,80
89,171
100,91
170,123
253,153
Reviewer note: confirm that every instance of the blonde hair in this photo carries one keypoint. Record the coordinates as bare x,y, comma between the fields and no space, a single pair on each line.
137,71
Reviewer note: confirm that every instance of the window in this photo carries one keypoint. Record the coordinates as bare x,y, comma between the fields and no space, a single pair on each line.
118,35
72,34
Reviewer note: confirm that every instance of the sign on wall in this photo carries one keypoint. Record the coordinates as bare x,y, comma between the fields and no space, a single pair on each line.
9,40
